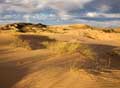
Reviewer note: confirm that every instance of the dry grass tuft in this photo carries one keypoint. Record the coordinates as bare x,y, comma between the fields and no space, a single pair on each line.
20,43
115,52
111,30
61,47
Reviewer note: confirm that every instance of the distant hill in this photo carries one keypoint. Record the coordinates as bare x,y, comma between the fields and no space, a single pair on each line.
23,27
30,27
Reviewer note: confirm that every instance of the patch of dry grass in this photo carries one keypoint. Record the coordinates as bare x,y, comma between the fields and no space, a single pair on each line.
64,47
111,30
61,47
115,52
20,43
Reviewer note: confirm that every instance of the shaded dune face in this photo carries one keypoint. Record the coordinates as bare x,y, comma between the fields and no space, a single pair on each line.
10,74
104,54
69,56
35,41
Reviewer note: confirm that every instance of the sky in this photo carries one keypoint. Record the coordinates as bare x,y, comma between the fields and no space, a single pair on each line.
94,12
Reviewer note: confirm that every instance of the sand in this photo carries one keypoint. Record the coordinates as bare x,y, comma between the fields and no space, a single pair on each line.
39,67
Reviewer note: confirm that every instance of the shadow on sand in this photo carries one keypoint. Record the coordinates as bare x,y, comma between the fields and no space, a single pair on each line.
10,74
104,61
105,57
35,41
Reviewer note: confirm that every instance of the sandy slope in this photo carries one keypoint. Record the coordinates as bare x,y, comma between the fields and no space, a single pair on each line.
39,68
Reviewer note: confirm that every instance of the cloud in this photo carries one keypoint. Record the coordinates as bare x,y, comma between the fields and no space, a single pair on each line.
37,5
60,10
110,6
92,14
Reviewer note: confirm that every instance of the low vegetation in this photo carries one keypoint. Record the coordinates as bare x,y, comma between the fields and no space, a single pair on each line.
24,27
20,43
111,30
61,47
115,52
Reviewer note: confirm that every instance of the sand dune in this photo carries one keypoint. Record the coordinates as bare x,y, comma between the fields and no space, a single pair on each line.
68,56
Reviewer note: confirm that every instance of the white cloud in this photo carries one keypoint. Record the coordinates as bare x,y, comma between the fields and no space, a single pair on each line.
92,14
106,15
